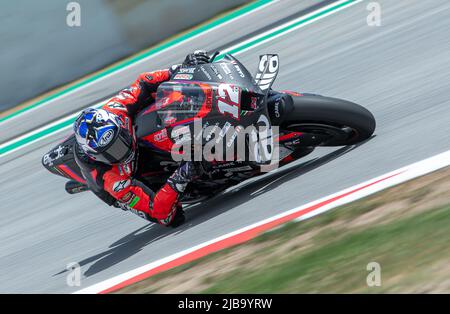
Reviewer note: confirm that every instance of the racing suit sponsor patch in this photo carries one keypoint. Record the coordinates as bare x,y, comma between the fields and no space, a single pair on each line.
117,105
120,185
183,76
106,138
135,200
127,197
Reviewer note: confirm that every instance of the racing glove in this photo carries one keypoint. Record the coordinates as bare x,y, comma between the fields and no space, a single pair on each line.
186,172
195,58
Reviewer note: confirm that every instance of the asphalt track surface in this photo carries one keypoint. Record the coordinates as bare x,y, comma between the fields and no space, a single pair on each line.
399,71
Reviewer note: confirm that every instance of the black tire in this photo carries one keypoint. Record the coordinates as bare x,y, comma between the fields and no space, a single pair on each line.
314,110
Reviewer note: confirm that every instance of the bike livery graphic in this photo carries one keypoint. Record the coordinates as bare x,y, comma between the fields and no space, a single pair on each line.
214,105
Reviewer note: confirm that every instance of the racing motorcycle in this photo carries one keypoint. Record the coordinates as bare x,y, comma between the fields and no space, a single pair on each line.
226,99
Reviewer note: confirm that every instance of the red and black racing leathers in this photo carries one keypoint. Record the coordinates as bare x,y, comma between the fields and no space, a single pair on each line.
118,180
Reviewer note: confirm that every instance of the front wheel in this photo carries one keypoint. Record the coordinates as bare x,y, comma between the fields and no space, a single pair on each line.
333,121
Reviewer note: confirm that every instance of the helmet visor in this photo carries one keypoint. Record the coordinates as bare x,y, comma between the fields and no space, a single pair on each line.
120,150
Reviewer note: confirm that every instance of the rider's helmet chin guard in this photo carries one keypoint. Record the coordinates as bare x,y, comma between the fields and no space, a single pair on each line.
104,137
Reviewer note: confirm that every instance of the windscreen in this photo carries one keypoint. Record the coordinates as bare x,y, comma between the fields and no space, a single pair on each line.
177,101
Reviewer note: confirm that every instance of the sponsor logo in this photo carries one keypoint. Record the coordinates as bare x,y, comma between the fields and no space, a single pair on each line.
127,198
116,105
120,185
187,70
277,109
227,70
221,139
226,164
138,212
49,158
238,69
106,138
125,168
134,201
169,120
267,71
161,135
212,131
125,94
206,73
224,131
216,72
200,134
238,129
238,169
183,77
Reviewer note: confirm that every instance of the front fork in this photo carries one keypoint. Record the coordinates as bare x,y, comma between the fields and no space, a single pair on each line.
279,105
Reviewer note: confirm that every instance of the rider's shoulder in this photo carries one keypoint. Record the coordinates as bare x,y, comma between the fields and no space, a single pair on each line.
156,75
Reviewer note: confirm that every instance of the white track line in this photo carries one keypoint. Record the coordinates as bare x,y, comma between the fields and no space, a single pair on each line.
379,183
306,16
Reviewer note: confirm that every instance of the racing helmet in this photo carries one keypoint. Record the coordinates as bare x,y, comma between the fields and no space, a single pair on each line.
104,137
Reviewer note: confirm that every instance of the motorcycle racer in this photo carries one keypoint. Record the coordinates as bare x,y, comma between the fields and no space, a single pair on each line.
106,151
102,155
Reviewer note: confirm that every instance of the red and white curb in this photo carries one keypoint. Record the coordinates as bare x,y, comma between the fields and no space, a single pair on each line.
300,213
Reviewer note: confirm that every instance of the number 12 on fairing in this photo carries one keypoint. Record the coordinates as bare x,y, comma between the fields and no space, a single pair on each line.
229,100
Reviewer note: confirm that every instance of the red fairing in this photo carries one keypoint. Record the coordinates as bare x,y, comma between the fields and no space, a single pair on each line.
69,172
160,140
288,136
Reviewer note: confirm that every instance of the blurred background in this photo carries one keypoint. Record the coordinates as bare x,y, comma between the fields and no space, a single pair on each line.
399,69
40,52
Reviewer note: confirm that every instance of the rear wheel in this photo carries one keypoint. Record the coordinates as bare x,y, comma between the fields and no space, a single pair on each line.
330,121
